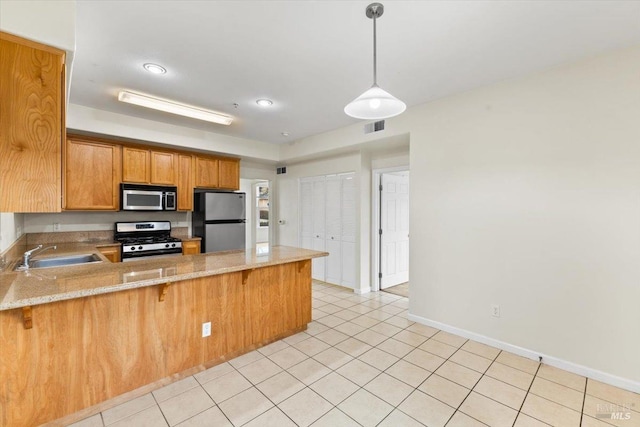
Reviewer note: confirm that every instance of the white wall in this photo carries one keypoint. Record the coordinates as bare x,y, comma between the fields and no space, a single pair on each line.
526,194
11,228
86,119
90,221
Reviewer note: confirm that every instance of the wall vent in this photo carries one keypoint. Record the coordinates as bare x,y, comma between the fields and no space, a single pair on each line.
374,127
281,170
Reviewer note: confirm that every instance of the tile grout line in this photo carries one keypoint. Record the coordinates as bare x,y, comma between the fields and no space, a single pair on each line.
470,390
527,394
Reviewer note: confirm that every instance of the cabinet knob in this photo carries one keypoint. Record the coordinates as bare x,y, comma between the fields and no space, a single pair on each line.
331,237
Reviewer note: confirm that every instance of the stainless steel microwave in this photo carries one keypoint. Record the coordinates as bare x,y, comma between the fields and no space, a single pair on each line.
136,197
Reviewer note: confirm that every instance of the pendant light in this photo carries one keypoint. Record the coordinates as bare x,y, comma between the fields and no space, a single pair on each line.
375,103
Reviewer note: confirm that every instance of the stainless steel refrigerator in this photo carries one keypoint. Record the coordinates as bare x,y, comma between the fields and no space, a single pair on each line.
219,219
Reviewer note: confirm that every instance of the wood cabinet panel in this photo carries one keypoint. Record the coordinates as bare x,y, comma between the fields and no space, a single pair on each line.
226,310
191,247
31,125
117,342
135,165
206,172
185,182
229,174
92,175
112,253
264,292
163,168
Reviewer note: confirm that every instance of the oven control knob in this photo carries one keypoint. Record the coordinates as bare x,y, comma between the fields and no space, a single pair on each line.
166,246
173,245
133,248
140,247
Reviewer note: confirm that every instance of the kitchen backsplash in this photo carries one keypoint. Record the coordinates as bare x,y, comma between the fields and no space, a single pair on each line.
95,221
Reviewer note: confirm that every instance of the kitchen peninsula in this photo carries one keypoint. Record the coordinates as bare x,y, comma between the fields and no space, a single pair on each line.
73,337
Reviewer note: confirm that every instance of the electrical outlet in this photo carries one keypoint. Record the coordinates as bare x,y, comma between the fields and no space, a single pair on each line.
56,226
206,329
18,231
495,310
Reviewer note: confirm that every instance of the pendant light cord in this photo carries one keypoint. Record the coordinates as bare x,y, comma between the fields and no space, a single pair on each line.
375,62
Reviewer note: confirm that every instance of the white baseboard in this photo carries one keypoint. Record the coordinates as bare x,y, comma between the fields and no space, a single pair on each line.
362,291
585,371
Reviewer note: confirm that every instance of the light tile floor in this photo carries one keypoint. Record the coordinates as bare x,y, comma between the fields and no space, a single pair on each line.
362,363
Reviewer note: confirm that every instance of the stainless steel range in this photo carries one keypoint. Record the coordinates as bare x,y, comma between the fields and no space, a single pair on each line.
146,239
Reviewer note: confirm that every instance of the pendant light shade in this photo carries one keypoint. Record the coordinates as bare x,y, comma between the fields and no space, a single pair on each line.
375,103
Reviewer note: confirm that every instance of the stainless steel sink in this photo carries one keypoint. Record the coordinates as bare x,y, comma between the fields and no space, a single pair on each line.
61,261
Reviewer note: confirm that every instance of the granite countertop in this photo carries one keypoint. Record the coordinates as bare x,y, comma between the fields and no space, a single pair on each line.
45,285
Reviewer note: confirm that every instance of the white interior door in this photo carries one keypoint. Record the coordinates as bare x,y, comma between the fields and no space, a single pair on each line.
394,223
318,266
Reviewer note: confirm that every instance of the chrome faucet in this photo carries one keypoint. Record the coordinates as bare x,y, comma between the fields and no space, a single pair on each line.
26,257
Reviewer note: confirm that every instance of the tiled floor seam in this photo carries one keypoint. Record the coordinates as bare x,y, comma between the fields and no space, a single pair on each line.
160,409
525,396
470,390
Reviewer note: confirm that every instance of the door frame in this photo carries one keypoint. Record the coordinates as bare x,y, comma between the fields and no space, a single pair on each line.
375,223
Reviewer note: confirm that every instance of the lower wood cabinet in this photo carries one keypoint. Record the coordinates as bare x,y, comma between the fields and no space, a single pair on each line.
92,349
92,174
190,247
111,252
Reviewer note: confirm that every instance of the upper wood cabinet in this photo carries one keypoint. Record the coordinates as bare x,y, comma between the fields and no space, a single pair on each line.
217,172
32,90
164,168
185,182
92,174
206,172
144,166
229,174
135,165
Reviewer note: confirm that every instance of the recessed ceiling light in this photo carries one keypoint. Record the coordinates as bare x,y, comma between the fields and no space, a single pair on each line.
264,102
154,68
285,133
173,107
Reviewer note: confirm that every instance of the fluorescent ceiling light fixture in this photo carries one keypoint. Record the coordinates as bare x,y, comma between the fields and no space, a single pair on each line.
173,107
375,103
154,68
264,102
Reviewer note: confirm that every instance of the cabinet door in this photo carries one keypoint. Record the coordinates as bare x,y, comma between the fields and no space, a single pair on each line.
185,182
92,175
112,253
229,174
135,165
163,168
31,125
206,172
191,247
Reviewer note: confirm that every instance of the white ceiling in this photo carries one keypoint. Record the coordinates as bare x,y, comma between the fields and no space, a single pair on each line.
313,57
